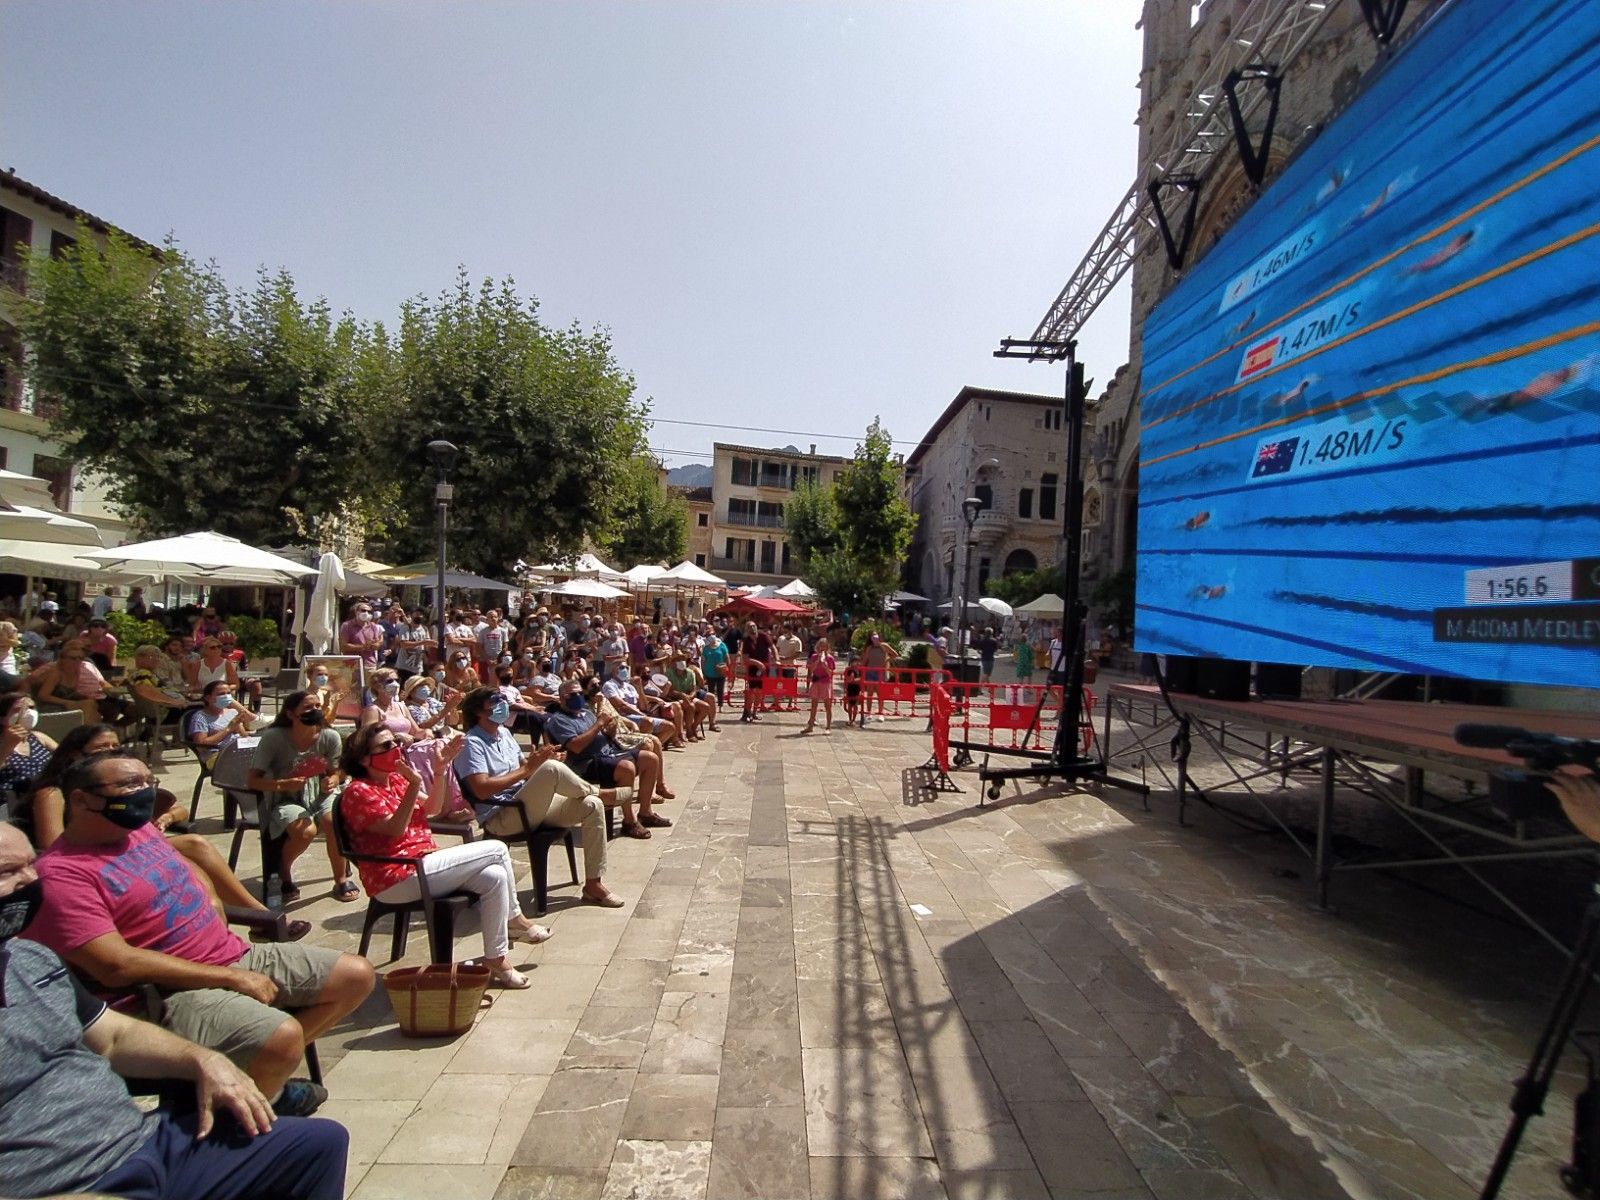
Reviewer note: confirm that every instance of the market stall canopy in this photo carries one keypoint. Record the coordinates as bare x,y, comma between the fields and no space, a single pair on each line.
745,606
644,573
586,565
27,523
202,558
587,589
908,598
797,589
53,560
689,574
1047,605
421,575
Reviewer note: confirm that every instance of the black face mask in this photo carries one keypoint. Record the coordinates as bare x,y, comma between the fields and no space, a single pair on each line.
132,810
312,717
575,702
19,908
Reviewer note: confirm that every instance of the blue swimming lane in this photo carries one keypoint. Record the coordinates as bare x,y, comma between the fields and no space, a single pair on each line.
1371,414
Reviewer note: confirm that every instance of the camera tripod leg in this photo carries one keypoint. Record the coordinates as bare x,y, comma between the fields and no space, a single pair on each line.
1527,1101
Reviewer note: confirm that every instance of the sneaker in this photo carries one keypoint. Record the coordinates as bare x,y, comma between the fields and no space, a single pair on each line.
299,1098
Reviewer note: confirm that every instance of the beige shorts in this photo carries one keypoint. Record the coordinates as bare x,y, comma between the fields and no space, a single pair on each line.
238,1026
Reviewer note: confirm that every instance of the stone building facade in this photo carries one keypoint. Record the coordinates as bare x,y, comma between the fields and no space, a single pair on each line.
1009,450
1182,39
749,488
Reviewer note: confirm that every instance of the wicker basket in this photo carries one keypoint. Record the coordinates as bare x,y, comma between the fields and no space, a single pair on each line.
438,1001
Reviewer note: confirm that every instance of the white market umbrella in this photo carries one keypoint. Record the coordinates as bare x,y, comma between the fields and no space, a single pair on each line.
17,488
321,613
1047,605
587,589
765,592
52,560
995,605
23,522
688,574
797,589
203,557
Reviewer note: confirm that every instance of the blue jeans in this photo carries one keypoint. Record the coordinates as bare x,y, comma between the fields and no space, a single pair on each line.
300,1158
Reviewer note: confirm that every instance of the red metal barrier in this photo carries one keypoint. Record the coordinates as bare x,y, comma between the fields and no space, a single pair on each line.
1012,718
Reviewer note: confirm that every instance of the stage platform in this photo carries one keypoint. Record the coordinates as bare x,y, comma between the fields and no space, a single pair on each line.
1355,745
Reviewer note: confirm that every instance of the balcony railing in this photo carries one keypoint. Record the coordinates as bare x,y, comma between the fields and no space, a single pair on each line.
754,520
14,275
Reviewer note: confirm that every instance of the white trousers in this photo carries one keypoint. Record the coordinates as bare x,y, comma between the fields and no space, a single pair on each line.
482,868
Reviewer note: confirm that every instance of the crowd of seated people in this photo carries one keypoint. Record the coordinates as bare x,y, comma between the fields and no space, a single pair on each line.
537,720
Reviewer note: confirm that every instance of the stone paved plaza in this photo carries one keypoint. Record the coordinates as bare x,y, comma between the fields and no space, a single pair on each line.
831,982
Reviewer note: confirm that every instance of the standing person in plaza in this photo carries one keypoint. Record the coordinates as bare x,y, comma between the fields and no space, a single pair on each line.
760,647
788,647
1023,651
714,666
876,659
614,652
494,641
411,642
361,635
986,644
820,667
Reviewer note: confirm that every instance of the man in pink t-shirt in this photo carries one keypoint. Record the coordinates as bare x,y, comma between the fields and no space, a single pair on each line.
361,635
124,908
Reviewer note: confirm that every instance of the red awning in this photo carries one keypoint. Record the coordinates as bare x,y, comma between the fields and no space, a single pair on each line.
743,606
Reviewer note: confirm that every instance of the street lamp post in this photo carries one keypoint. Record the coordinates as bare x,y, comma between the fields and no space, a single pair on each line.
442,455
970,508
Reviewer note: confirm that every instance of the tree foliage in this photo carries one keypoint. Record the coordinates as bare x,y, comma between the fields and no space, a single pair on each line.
1019,587
544,419
852,536
648,523
198,406
271,419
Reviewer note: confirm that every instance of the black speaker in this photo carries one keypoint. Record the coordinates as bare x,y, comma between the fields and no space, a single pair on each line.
1223,679
1183,674
1278,681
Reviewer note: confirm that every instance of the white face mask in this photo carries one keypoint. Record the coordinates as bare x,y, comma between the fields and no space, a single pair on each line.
25,720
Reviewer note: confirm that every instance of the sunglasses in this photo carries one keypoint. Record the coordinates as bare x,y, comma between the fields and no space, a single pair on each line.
382,748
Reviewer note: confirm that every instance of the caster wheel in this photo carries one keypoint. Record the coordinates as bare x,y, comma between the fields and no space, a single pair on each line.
994,793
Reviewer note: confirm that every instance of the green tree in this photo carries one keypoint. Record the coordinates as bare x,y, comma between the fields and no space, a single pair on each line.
811,519
545,420
198,407
853,536
1019,587
648,523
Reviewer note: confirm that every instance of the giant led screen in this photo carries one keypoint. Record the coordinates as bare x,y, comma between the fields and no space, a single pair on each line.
1371,413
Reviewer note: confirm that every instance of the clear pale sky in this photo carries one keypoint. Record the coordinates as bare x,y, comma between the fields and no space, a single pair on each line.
789,215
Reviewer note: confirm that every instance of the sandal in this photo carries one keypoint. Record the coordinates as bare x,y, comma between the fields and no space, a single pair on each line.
509,977
346,891
532,934
288,891
633,829
655,821
284,931
663,794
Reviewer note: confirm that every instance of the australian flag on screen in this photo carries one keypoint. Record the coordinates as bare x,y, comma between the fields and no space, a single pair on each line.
1274,458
